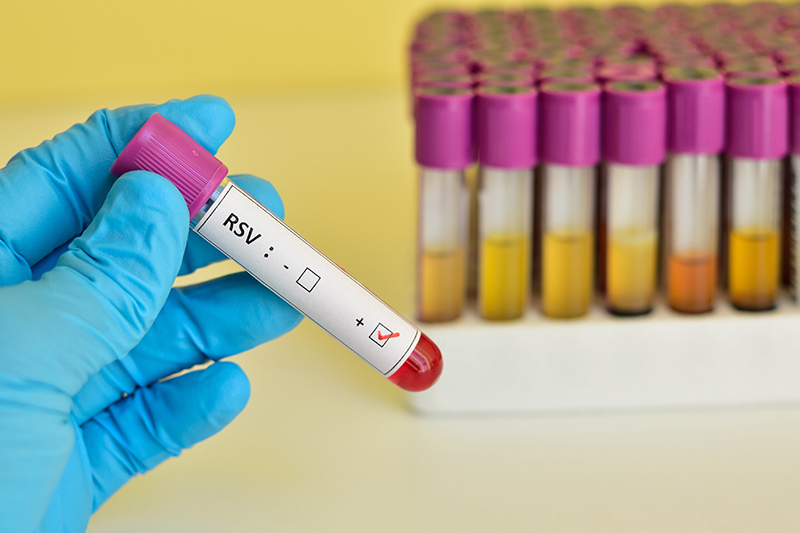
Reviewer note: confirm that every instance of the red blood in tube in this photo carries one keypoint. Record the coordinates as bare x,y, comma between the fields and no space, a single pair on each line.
421,369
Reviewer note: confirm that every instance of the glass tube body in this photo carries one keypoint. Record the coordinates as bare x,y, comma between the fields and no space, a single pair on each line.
632,238
794,223
504,227
754,233
567,240
441,245
692,213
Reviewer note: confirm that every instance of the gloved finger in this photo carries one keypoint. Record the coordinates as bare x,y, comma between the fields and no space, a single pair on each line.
36,441
211,320
104,293
70,506
199,253
52,192
139,432
48,262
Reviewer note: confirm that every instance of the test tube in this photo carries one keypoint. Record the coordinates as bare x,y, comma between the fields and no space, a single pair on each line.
695,139
569,150
247,232
634,131
757,141
443,151
507,155
794,185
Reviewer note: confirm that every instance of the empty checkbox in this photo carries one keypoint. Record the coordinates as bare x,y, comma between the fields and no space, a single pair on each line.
308,279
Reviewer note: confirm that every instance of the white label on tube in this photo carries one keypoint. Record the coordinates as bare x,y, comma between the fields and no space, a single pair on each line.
274,254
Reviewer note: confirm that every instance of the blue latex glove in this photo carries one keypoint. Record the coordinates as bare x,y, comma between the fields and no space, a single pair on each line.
89,322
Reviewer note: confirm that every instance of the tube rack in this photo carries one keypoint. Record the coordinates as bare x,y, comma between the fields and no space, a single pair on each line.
662,360
603,362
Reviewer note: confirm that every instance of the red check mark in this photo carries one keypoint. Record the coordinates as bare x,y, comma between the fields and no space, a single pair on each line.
384,337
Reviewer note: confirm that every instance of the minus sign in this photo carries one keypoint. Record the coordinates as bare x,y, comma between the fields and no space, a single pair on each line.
286,267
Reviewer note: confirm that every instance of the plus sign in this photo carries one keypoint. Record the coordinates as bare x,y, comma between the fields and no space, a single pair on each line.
360,322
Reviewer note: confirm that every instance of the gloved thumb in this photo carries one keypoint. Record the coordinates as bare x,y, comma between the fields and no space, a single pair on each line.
105,291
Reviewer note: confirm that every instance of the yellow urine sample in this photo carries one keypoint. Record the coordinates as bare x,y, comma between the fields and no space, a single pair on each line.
753,268
441,284
631,272
567,273
503,276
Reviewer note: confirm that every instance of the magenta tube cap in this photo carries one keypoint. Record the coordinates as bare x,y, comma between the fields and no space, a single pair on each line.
163,148
757,118
695,110
507,127
634,123
443,127
570,124
794,115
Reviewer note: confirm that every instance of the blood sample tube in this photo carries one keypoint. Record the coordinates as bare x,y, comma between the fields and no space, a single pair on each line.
444,151
757,141
279,258
507,155
695,139
569,150
634,117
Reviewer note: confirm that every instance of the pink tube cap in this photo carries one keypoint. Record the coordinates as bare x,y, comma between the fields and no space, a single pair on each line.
696,110
570,124
507,127
163,148
634,123
444,127
757,118
794,115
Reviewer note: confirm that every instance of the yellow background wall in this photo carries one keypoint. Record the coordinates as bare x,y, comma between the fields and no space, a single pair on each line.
57,50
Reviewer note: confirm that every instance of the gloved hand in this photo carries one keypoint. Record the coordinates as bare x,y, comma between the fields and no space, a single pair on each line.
89,322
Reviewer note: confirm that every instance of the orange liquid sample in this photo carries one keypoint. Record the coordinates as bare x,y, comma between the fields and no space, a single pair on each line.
692,282
753,268
441,284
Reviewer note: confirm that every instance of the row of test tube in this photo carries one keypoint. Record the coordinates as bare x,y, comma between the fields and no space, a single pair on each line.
592,108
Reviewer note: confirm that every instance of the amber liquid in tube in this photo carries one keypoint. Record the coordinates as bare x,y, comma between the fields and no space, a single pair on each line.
568,241
631,275
442,281
442,235
504,268
754,235
753,269
567,273
632,239
505,210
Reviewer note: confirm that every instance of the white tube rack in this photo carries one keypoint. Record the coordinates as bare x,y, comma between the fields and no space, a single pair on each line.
601,362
